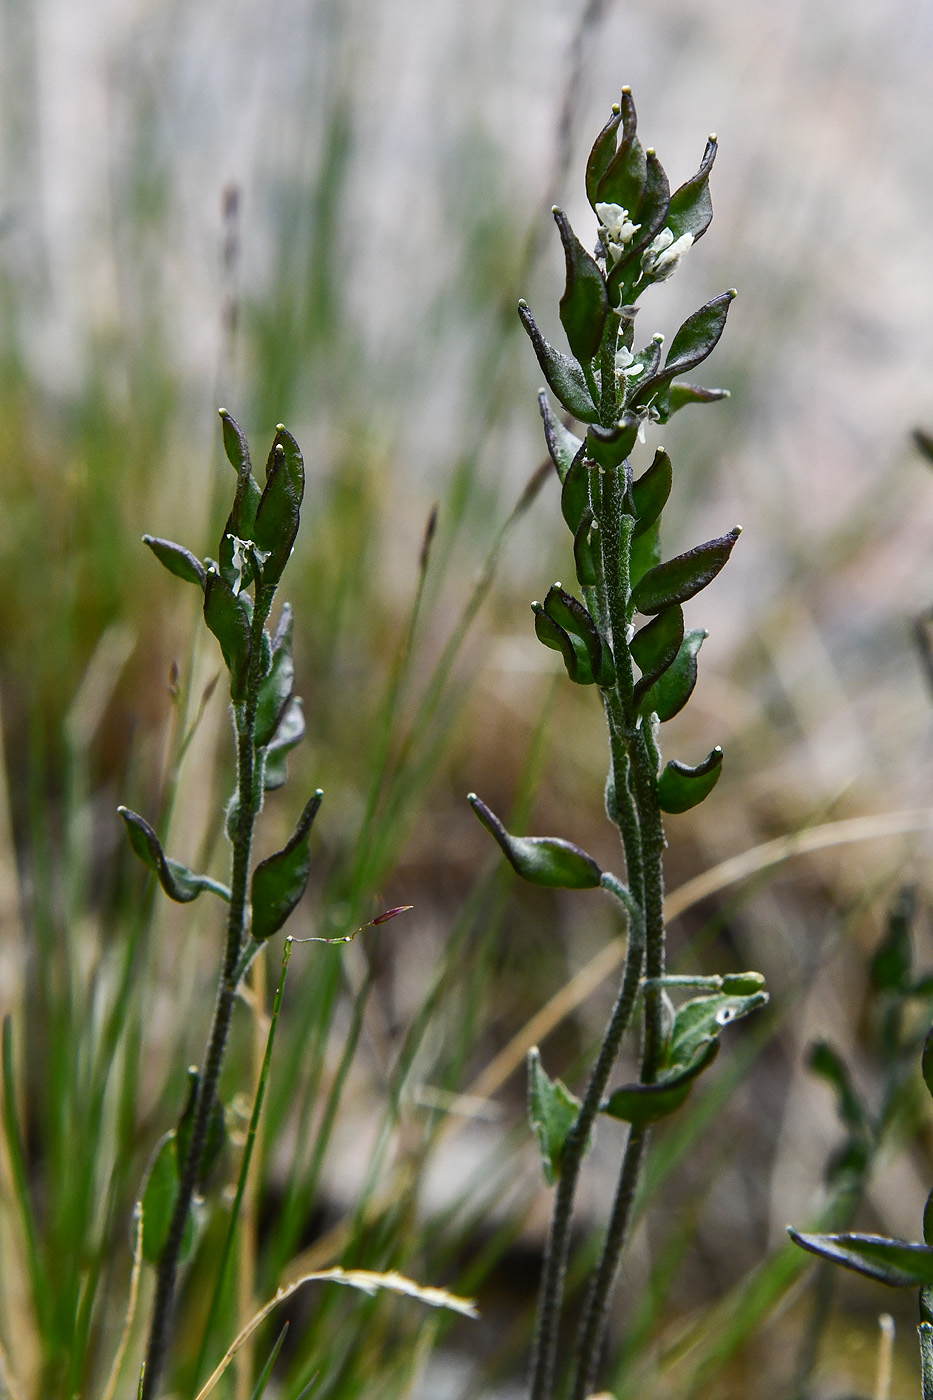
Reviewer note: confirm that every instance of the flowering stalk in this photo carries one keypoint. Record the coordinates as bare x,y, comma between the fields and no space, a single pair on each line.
645,673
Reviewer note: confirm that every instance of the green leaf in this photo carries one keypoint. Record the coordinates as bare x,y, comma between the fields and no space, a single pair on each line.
552,1112
682,577
584,305
680,787
683,394
277,517
178,560
603,150
656,647
825,1062
892,964
290,731
691,208
275,693
572,649
541,860
695,340
584,551
216,1131
564,375
570,614
645,554
895,1262
575,491
158,1203
178,882
610,446
280,880
562,444
647,1103
235,444
228,619
650,492
703,1018
670,693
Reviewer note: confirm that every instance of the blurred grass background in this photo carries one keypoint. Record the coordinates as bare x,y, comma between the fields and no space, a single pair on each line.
323,214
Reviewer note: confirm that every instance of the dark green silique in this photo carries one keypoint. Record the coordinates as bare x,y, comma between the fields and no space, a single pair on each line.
624,633
239,591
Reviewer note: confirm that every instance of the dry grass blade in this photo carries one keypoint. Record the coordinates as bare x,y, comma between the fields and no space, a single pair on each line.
363,1279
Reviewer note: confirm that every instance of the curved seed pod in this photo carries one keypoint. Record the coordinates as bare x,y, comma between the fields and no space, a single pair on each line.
178,560
552,1112
562,444
647,1103
673,689
683,576
691,208
279,881
541,860
572,649
178,882
585,304
570,614
898,1263
651,491
563,374
656,647
680,787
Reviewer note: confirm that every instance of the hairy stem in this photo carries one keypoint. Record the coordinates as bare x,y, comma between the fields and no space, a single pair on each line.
247,811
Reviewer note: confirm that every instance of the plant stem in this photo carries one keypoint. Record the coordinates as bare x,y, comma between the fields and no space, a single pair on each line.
248,807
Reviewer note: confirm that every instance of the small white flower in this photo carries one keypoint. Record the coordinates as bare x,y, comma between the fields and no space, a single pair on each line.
626,366
663,254
616,229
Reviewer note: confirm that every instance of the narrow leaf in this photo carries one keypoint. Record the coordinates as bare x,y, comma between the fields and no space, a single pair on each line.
680,787
647,1103
541,860
691,208
584,305
552,1111
650,491
178,882
227,618
673,689
279,881
564,375
178,560
562,444
656,647
895,1262
683,576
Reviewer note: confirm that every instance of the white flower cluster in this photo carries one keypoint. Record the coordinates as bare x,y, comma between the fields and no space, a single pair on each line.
615,229
663,254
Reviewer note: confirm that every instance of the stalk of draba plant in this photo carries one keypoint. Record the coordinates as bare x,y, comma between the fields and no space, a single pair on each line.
644,675
267,717
899,1263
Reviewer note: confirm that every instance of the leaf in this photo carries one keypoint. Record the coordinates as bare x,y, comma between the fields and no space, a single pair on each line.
603,150
703,1018
227,618
684,576
684,394
290,731
279,881
610,446
178,882
158,1203
647,1103
541,860
178,560
691,208
235,445
275,693
277,517
895,1262
825,1062
562,444
552,1112
572,649
564,375
670,692
575,491
570,614
695,340
585,304
892,964
651,490
656,647
216,1131
680,787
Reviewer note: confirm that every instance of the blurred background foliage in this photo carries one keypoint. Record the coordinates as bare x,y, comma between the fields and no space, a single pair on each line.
322,212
